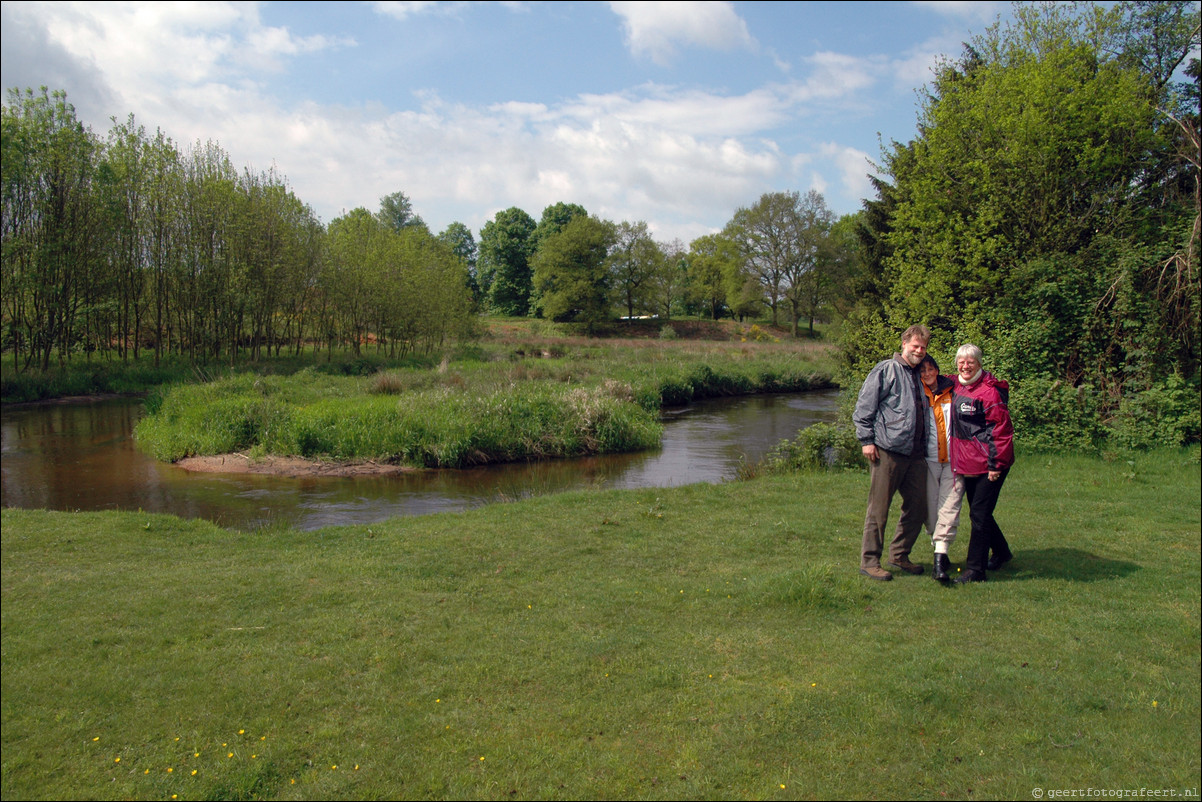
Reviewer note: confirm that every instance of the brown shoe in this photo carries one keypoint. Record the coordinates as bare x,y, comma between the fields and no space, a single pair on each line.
876,572
907,566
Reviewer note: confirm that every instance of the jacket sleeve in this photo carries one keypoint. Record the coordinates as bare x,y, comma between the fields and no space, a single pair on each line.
999,433
864,416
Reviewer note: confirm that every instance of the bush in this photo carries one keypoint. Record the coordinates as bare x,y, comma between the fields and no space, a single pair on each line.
1050,415
1165,414
822,446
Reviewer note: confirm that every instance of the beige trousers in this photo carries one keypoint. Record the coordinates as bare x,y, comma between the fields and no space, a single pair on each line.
944,497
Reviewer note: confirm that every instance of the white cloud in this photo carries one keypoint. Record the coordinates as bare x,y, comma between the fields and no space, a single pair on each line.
852,166
404,9
682,159
654,29
971,10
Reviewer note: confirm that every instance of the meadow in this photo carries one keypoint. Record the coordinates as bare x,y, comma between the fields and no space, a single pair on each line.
702,642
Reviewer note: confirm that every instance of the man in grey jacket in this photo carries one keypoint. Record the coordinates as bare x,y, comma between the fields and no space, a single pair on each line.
891,423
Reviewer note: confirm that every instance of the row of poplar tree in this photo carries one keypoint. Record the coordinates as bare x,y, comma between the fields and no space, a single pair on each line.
129,243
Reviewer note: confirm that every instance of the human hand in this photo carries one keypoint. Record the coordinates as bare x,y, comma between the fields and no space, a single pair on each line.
995,475
870,452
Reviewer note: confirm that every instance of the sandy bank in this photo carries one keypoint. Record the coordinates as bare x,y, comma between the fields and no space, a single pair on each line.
286,466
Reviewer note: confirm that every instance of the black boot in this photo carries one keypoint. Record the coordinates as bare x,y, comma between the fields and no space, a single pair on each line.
970,576
942,564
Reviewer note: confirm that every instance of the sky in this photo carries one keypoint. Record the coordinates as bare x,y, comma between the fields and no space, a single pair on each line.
675,114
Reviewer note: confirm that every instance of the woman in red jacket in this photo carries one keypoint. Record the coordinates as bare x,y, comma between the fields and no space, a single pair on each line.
982,451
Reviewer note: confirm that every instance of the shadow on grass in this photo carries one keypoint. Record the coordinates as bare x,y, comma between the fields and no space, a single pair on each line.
1072,564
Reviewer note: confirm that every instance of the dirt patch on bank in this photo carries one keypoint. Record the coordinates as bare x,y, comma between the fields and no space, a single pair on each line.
287,466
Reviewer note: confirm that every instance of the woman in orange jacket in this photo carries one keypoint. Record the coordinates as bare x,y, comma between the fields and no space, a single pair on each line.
943,502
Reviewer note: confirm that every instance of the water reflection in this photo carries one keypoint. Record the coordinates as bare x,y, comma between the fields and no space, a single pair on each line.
81,456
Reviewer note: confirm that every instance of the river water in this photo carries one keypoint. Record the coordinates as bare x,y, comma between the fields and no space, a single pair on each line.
81,456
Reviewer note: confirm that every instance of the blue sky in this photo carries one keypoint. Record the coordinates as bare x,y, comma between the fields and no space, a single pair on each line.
674,113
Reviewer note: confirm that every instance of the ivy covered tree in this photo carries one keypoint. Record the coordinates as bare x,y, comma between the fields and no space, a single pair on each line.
506,245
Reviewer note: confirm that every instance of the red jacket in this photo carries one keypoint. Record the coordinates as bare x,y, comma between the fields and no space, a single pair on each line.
982,435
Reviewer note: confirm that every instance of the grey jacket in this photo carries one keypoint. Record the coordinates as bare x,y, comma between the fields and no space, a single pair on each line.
888,413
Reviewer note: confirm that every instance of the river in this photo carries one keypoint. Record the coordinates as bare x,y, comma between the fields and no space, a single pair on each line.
81,456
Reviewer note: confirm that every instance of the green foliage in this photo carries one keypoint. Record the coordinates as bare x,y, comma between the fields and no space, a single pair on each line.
78,377
713,263
784,242
1041,214
1165,414
570,276
820,446
1051,415
506,245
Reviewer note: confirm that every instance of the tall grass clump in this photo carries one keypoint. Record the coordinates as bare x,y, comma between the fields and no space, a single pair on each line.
443,428
83,377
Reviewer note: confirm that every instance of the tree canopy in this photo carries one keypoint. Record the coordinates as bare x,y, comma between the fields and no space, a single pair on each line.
1045,212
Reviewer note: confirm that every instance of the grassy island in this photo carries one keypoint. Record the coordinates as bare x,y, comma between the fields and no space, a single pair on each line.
512,396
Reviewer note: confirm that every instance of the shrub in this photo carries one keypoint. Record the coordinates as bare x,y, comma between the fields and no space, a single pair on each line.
1050,415
821,446
1165,414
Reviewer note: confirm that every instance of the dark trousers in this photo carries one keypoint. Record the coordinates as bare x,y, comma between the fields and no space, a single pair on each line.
893,473
981,496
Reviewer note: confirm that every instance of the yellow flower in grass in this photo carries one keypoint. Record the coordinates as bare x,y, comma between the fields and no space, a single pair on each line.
170,770
193,772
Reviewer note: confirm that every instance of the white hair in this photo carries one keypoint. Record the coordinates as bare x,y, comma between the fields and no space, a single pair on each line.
968,349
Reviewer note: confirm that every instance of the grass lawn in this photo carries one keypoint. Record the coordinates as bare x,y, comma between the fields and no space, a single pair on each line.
700,642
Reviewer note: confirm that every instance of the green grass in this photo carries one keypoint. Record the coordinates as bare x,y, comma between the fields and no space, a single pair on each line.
686,643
